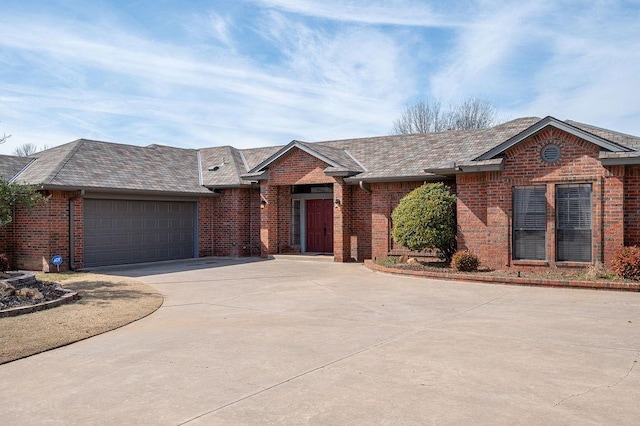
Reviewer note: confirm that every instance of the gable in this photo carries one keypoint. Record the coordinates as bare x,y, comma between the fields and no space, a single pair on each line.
570,158
297,167
550,122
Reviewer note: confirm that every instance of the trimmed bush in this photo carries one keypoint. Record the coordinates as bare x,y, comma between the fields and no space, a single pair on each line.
626,263
465,261
4,263
426,218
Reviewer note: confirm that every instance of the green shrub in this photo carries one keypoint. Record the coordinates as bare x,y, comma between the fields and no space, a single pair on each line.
626,263
465,261
426,218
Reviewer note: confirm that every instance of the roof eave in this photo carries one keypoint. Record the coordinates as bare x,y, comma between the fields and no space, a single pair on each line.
475,168
342,173
248,184
613,161
412,178
254,177
204,193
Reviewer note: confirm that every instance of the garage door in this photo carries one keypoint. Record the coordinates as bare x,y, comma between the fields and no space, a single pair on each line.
124,231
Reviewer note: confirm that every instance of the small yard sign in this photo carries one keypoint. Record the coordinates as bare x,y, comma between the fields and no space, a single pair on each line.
57,260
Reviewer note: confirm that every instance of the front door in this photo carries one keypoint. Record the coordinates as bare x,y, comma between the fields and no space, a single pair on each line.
320,226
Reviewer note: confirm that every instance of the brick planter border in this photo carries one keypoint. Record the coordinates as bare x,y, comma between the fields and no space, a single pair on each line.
534,282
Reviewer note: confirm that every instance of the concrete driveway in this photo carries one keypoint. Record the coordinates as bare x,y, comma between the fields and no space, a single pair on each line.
299,342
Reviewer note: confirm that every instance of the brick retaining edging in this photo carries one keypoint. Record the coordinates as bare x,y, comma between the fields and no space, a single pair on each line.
29,278
535,282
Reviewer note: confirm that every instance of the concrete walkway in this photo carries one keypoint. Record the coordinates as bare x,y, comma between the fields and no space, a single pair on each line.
302,342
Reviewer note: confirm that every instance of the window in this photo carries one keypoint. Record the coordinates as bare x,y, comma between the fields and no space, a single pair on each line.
529,222
295,222
573,223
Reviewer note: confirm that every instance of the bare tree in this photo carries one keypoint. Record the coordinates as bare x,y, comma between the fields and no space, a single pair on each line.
422,117
27,149
427,116
4,137
473,113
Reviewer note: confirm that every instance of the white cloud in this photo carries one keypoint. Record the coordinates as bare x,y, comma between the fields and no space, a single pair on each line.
311,70
111,85
395,12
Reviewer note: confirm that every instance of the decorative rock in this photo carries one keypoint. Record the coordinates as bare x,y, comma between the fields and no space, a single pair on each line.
412,260
45,265
6,289
29,293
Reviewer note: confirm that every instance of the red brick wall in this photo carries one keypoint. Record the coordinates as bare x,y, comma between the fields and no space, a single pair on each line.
472,212
268,219
384,198
6,243
78,232
206,224
359,224
234,231
489,234
632,206
341,222
297,167
41,232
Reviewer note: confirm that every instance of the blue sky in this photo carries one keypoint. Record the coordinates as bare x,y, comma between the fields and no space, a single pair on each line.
253,73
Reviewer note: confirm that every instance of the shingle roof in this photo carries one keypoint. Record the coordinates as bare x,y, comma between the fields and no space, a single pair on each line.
222,166
406,156
104,165
109,166
337,158
11,165
630,141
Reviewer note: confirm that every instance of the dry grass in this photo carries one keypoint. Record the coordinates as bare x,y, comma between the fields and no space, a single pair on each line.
106,303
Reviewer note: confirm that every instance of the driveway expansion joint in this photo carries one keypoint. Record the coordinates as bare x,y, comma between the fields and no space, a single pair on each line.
611,385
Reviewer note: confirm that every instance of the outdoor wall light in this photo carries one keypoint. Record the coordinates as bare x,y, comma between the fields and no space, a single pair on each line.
336,202
263,203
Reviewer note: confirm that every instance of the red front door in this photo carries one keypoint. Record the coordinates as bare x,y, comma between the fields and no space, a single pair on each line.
320,226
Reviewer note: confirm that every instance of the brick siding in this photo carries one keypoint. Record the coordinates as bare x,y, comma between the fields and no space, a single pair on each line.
484,199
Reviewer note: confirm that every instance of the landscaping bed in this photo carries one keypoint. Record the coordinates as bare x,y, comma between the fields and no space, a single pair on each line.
21,293
595,277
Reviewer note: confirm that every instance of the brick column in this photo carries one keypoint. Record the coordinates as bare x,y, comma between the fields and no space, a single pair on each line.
380,222
268,219
341,219
498,226
612,214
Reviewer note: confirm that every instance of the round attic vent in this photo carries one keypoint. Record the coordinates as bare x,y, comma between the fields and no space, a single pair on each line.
550,153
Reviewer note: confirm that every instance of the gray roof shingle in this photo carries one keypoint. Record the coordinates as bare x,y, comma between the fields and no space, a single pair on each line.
11,165
104,165
222,166
110,166
406,156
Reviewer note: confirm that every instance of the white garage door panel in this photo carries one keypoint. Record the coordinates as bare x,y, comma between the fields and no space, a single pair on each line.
125,231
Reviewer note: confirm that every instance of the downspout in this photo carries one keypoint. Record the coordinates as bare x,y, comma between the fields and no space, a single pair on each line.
361,185
600,256
72,243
